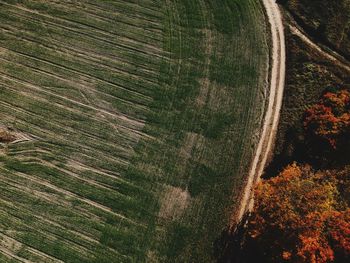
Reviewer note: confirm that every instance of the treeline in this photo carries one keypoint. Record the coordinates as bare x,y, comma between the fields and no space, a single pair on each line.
302,215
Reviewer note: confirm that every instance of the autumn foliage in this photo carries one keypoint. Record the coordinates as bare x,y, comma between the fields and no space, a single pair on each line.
328,122
300,216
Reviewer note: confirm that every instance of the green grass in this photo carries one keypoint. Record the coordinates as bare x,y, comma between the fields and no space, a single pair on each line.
136,108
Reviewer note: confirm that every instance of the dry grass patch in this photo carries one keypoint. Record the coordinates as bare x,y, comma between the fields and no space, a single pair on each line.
174,203
6,136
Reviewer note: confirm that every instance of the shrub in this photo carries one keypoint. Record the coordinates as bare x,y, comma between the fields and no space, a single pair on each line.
6,136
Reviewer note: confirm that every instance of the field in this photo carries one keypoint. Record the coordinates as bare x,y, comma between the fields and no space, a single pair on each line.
136,122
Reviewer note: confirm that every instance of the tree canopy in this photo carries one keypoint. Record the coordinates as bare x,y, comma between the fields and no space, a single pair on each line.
327,123
300,216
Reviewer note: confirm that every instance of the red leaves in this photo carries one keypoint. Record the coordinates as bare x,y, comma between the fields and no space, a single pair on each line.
295,218
339,232
330,118
338,100
303,216
314,249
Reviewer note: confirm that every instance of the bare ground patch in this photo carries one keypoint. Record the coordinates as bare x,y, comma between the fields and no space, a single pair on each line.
174,203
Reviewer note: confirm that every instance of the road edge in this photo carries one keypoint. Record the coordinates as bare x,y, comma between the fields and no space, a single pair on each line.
272,115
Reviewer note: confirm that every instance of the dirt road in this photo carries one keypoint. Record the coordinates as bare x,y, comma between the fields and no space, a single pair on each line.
269,128
332,57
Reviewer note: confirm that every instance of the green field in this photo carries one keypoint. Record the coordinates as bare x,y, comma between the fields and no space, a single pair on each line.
138,121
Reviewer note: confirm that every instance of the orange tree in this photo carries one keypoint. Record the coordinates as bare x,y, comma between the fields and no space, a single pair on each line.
298,217
327,123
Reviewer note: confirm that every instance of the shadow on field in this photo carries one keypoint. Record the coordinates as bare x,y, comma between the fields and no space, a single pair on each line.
228,248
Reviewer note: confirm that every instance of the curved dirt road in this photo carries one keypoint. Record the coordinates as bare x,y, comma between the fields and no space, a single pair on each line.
269,129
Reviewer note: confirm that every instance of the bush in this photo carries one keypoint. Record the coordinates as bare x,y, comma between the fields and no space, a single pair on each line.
6,136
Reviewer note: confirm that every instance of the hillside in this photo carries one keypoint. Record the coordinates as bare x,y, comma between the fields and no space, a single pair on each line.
134,123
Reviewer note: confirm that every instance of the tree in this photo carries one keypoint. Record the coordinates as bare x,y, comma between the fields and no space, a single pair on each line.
339,234
327,123
296,218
